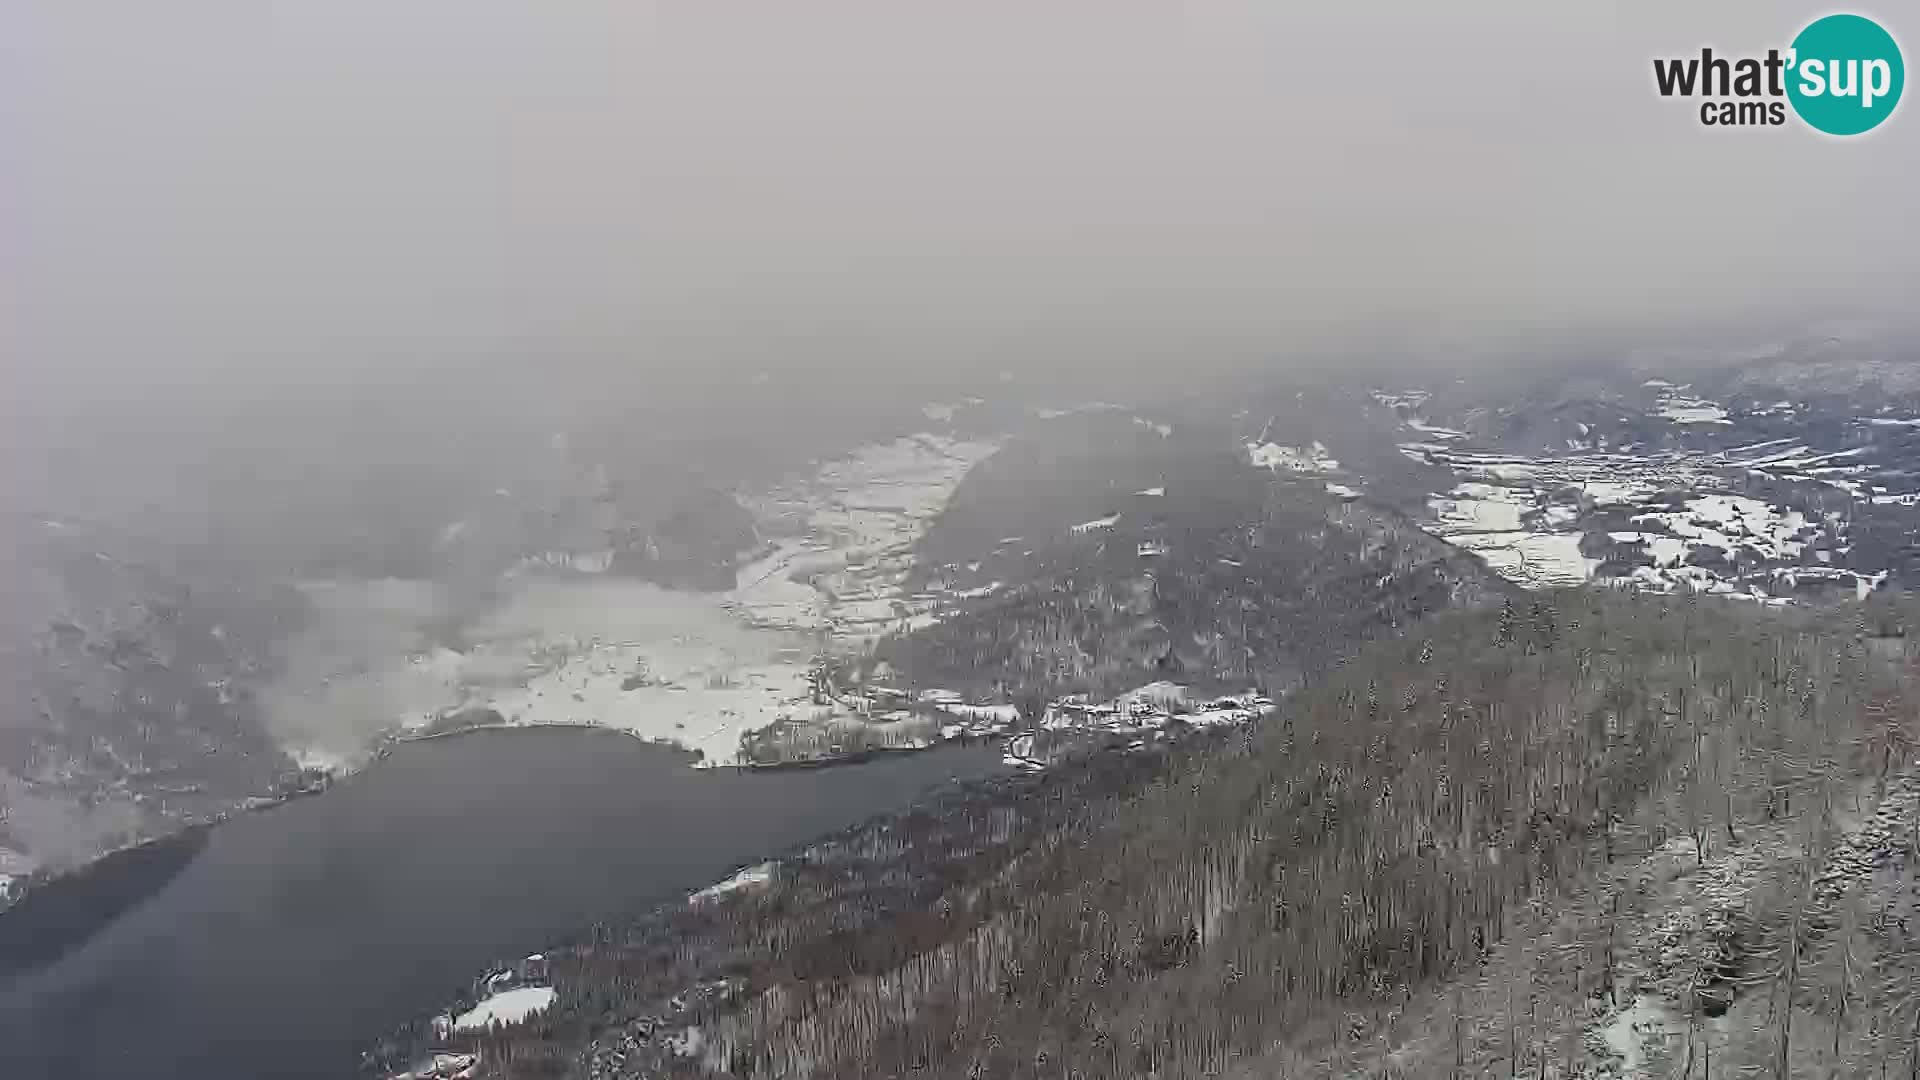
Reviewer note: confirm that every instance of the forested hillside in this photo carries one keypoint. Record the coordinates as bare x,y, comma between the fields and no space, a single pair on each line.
126,677
1126,556
1578,833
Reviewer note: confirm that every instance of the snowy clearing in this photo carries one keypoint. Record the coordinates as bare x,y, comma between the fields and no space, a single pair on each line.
507,1007
443,1067
751,878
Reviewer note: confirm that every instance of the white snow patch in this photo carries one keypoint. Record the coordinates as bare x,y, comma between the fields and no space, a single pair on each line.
1152,492
1537,560
1480,508
1305,459
750,878
1487,519
508,1007
1605,492
1402,399
442,1066
992,714
1729,522
1425,428
319,759
1626,1034
1091,406
1685,410
1768,451
1509,522
561,653
1096,524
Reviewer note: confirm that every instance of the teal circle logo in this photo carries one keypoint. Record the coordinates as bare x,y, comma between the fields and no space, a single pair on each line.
1846,74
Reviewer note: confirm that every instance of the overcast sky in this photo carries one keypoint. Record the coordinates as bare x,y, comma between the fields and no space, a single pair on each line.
292,193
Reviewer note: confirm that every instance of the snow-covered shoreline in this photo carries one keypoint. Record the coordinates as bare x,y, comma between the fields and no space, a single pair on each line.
564,652
1153,712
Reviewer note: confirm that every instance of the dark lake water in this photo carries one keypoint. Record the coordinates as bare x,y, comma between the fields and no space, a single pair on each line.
299,934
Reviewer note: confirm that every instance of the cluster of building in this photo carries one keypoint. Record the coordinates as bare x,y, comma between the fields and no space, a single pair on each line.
1142,716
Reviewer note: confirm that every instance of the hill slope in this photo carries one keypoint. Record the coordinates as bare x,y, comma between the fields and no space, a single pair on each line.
1125,555
1498,844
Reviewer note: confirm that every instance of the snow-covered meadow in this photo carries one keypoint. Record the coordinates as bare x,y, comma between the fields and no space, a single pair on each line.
695,669
506,1007
1527,517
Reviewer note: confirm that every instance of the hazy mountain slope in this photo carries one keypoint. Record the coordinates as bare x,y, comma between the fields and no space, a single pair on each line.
140,657
127,672
158,648
1400,817
1126,556
1495,818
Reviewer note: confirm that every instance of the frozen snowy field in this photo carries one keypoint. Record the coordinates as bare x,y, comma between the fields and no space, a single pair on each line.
696,669
1526,516
507,1007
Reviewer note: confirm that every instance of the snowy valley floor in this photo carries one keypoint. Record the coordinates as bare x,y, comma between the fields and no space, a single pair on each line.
694,669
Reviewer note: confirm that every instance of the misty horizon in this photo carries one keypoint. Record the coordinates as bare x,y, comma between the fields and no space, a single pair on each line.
291,201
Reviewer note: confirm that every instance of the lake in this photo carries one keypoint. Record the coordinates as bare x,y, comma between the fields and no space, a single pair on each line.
299,934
